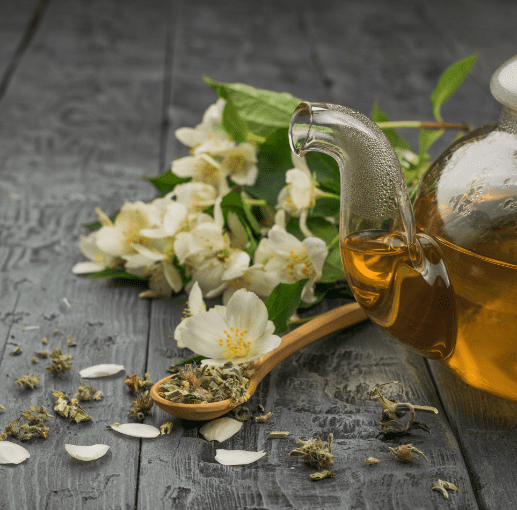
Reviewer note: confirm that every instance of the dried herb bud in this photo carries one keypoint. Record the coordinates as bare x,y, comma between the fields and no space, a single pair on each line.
44,341
315,452
322,474
141,406
28,381
404,452
70,341
277,435
263,418
392,411
60,361
85,393
134,383
43,354
58,332
69,408
35,425
166,428
260,408
370,461
16,351
34,359
442,486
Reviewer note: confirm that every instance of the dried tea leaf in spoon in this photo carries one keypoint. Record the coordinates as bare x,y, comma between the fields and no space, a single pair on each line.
87,453
103,370
12,453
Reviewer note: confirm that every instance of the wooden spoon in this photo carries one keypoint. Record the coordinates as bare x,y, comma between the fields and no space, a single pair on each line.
322,325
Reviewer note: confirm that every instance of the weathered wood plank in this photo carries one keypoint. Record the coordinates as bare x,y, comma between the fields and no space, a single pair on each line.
80,125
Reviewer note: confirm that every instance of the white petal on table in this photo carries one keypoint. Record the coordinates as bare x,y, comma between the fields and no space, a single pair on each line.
237,457
220,429
100,371
12,453
87,453
136,429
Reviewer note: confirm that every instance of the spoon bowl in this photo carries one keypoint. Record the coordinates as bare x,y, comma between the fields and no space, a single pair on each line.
324,324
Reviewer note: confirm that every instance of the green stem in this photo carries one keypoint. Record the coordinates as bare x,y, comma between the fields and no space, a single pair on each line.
251,201
324,194
333,243
426,125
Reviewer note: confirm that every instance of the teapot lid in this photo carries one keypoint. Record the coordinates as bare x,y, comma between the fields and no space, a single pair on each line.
503,84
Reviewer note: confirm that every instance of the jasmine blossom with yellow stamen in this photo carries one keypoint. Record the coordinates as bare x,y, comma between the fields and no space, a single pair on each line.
240,333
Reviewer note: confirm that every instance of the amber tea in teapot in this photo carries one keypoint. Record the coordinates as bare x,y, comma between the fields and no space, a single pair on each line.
442,280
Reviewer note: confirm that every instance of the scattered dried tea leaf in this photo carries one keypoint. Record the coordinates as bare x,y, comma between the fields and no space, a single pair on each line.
370,461
442,486
193,385
29,328
141,406
44,341
85,393
70,341
28,381
12,453
320,475
166,428
35,424
404,452
263,418
87,453
277,435
60,362
16,351
315,452
237,457
393,410
58,332
69,409
135,430
239,413
100,371
220,429
34,359
2,407
134,383
43,354
67,303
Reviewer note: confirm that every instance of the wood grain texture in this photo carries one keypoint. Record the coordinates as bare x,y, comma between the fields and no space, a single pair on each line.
80,126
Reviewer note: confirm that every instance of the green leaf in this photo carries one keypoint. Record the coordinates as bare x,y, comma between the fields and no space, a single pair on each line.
192,359
326,170
233,124
325,207
449,82
322,228
426,138
283,302
393,136
166,182
273,161
263,111
115,273
333,267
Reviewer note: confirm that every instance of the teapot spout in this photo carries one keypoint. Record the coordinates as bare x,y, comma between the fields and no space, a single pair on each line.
374,195
396,274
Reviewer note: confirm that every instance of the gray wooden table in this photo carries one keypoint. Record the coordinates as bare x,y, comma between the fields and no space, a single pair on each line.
90,95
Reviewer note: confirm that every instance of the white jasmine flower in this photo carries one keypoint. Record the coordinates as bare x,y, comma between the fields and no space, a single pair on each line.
238,234
120,237
300,194
243,334
220,429
255,279
172,219
237,457
98,260
202,168
195,305
295,260
209,136
239,163
196,197
163,278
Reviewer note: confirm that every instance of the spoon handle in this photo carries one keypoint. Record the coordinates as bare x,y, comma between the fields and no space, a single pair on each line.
324,324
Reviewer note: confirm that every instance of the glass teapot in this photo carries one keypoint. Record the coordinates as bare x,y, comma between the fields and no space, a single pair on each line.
440,278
